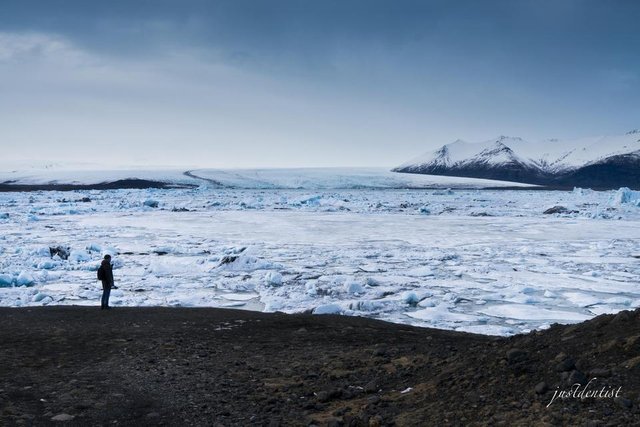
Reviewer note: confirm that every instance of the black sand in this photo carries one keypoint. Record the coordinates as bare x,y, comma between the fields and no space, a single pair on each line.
178,366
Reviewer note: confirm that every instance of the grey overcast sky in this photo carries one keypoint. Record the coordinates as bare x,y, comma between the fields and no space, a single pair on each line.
307,83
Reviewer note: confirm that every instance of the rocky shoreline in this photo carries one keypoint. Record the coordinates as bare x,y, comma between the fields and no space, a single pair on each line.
121,184
182,366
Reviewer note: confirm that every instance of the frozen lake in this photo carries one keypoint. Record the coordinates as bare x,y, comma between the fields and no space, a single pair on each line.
475,260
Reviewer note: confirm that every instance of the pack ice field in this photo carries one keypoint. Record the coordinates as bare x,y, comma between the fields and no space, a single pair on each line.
495,262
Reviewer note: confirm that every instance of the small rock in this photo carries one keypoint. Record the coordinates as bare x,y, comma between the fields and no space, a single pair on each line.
61,251
371,387
480,214
541,388
566,365
577,377
62,417
380,351
600,373
556,210
346,394
81,406
581,365
323,396
623,402
228,259
375,421
373,400
560,356
516,355
153,415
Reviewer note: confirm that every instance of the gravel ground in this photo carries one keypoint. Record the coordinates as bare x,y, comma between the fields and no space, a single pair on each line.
180,366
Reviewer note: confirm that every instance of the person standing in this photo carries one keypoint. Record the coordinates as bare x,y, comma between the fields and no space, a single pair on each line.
105,275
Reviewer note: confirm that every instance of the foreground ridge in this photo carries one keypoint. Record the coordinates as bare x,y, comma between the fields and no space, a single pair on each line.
150,366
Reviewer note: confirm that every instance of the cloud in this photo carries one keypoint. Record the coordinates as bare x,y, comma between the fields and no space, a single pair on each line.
65,104
365,82
28,47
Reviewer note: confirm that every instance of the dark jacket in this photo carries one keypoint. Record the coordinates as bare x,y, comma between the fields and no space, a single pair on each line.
107,274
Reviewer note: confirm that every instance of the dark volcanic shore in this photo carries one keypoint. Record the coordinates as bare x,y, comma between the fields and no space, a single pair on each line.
114,185
179,366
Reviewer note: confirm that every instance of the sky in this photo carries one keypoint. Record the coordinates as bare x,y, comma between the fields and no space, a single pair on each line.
302,83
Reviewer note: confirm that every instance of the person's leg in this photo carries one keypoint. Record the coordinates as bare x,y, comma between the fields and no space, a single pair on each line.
107,292
104,301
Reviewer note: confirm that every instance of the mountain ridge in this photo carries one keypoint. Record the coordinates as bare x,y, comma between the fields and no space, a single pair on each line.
601,162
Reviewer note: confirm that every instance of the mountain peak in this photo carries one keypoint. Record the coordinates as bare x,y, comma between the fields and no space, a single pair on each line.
596,161
442,151
497,147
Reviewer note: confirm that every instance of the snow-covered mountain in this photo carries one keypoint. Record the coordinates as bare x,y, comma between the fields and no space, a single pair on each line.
601,162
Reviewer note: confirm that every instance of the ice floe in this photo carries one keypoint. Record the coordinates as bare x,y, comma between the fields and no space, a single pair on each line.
482,261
